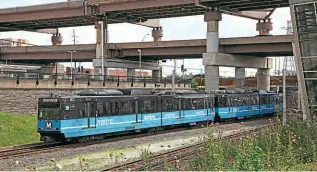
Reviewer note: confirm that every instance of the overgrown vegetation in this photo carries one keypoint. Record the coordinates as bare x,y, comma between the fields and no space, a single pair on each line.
289,147
17,129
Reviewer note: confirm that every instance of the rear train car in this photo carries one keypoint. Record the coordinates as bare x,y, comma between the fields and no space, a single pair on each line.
241,104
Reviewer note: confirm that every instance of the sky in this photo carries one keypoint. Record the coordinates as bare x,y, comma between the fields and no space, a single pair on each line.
182,28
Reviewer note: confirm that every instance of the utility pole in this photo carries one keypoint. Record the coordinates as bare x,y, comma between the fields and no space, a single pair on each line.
140,63
102,48
174,75
284,96
74,42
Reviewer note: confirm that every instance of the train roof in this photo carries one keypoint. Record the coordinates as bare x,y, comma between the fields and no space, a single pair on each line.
136,91
100,92
193,96
243,91
132,91
177,92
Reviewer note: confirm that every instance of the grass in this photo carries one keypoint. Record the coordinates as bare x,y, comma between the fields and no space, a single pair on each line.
280,148
17,129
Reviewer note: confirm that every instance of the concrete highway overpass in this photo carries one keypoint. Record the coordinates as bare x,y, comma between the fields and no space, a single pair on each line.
83,13
253,46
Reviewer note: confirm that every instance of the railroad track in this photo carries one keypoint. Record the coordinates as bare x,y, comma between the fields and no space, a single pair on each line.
174,156
24,150
29,149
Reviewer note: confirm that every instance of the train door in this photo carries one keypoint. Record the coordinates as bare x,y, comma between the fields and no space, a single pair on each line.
179,106
208,106
211,102
248,102
138,108
90,113
229,97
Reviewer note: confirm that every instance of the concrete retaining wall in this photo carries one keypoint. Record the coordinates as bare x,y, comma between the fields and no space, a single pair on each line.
67,84
24,101
22,98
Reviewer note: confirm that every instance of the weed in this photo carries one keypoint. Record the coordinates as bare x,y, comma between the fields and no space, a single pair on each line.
145,156
278,148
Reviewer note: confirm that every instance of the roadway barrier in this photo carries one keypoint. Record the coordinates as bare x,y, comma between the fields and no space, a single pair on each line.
10,79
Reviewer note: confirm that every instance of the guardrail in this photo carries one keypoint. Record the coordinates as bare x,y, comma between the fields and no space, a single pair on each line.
57,77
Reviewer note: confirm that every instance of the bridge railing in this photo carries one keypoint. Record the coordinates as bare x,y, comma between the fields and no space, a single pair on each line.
75,78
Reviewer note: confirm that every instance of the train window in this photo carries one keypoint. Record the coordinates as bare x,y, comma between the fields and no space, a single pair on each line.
234,101
105,109
187,104
245,101
211,102
93,110
198,103
49,110
100,109
148,106
253,100
49,113
168,106
223,101
69,111
133,107
239,101
126,107
264,99
177,103
81,114
114,108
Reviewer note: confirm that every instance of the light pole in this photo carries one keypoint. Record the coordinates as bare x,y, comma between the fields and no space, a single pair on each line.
71,61
140,62
174,76
102,48
284,96
140,56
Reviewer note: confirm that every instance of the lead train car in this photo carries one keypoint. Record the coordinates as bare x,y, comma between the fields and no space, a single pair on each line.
83,117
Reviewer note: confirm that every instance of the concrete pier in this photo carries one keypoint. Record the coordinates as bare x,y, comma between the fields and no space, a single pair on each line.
239,77
263,79
212,72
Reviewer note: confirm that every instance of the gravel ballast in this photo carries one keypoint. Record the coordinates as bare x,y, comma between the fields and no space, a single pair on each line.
32,162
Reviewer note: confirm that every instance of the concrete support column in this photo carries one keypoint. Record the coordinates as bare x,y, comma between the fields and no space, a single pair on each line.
211,78
263,79
239,77
99,49
264,27
212,72
156,75
157,34
57,39
130,74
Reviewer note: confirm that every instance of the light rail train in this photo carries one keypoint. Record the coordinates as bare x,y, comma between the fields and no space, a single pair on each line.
96,114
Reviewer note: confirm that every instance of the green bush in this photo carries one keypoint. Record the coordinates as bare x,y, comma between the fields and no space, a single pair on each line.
278,148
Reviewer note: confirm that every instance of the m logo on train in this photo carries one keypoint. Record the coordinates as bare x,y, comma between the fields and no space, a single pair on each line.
48,124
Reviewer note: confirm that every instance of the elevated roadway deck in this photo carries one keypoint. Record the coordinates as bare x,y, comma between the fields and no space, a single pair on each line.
81,13
254,46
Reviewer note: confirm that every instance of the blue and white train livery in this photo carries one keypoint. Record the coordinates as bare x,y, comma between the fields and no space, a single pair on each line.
100,113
